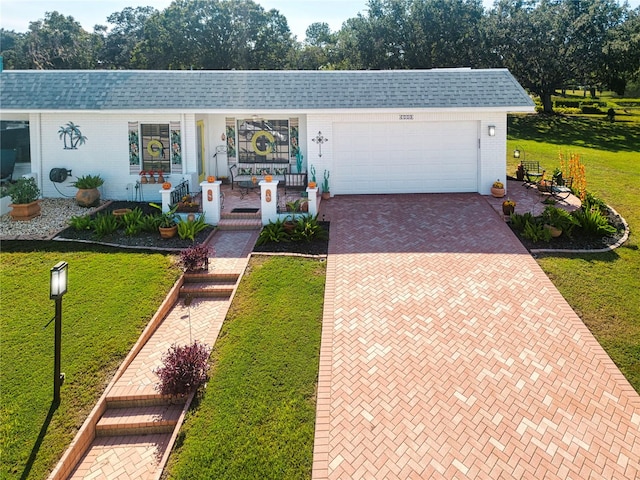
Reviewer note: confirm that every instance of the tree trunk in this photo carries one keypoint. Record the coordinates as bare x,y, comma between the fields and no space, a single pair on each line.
547,104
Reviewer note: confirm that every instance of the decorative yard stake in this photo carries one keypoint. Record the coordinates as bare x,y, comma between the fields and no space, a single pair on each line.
320,139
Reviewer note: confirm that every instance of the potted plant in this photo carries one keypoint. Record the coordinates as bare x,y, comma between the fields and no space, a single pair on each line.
326,194
167,223
508,206
497,189
24,199
88,194
557,221
143,177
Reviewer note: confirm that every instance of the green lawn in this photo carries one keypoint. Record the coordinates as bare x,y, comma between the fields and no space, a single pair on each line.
256,418
112,295
604,289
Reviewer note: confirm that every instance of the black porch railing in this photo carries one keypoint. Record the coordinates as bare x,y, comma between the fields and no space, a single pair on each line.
179,192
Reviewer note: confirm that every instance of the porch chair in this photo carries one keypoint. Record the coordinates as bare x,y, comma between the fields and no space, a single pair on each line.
7,164
532,172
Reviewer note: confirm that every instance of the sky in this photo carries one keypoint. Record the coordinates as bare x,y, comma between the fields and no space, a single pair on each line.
16,14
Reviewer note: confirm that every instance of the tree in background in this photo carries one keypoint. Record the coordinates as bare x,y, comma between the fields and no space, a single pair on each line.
120,44
59,43
551,43
547,44
219,35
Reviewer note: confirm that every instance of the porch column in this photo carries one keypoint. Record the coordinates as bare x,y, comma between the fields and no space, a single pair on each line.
211,201
313,200
166,199
269,201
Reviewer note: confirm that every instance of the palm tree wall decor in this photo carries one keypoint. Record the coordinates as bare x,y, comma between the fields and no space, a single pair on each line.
71,136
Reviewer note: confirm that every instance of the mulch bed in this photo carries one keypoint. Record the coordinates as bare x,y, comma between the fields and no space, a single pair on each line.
578,242
316,247
142,240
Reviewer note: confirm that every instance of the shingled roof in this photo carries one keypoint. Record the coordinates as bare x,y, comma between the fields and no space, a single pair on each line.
226,91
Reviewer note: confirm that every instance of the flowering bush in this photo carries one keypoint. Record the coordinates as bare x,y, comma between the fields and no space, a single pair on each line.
184,369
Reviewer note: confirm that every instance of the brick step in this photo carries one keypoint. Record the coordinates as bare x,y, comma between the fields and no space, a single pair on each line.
240,224
205,290
240,216
212,278
139,420
125,400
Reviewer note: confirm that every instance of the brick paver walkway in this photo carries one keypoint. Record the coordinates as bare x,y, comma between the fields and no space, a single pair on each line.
129,457
447,353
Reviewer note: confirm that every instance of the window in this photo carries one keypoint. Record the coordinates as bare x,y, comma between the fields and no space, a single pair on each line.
155,147
263,141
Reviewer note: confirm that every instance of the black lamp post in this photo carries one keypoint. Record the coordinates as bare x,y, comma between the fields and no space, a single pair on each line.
58,287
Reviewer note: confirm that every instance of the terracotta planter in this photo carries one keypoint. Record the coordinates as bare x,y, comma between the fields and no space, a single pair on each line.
143,179
497,192
168,232
555,232
326,195
544,185
289,226
88,197
24,211
120,212
508,209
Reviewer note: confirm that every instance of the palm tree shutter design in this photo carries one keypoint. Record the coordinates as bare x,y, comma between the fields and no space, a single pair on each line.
134,149
231,138
176,147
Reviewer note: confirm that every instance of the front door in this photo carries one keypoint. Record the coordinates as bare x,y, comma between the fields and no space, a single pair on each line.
200,152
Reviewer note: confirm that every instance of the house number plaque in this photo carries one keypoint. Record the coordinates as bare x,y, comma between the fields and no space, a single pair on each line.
406,117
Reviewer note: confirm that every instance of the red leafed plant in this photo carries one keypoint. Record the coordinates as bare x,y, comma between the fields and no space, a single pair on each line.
195,258
184,369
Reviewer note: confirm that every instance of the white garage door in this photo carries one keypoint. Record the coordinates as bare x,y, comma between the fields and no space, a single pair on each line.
411,157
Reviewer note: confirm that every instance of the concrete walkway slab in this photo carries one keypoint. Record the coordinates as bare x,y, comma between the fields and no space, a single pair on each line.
447,353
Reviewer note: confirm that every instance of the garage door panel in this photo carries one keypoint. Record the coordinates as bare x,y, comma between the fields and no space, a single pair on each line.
423,157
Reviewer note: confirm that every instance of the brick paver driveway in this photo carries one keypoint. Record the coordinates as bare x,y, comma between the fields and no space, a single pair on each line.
447,353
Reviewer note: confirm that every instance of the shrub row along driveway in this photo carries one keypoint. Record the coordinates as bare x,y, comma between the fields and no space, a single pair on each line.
447,353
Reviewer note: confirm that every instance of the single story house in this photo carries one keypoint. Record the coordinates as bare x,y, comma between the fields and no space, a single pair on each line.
393,131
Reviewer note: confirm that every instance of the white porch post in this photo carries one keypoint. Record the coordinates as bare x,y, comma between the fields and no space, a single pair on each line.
211,201
269,201
313,200
166,199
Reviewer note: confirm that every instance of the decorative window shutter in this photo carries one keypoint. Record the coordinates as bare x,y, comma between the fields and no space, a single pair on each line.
134,149
176,147
231,138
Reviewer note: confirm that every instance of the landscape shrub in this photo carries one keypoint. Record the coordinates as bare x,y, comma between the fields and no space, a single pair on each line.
536,232
593,223
81,222
273,232
184,369
132,222
195,258
105,224
307,229
190,228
